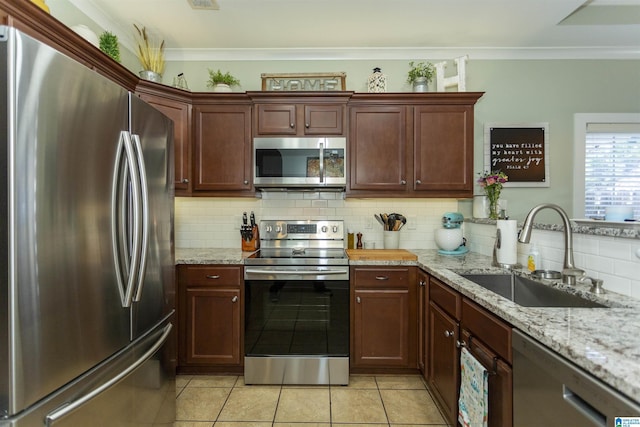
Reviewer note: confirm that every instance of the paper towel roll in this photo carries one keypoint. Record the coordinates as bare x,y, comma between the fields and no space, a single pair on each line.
507,253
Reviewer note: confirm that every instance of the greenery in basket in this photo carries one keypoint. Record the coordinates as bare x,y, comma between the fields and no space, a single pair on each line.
420,69
109,45
216,77
150,53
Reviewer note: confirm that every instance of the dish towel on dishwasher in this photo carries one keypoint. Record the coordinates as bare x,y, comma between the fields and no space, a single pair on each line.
473,404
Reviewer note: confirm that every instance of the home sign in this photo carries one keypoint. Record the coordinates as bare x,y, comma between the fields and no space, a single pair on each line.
289,82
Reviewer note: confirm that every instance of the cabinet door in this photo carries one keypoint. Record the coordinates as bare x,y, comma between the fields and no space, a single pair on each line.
276,119
213,326
323,119
222,147
443,149
378,148
180,113
423,321
444,361
500,381
381,328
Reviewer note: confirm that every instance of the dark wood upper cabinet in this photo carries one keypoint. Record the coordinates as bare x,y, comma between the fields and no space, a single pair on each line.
176,106
299,113
222,148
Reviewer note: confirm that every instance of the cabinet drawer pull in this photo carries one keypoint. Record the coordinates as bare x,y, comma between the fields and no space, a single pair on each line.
306,125
418,182
234,299
292,125
448,334
246,182
461,344
213,276
358,300
403,182
382,278
185,181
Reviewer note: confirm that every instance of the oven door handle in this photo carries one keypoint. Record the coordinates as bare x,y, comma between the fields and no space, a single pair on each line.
294,272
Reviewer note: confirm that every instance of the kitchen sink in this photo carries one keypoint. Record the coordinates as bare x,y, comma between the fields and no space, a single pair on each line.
529,293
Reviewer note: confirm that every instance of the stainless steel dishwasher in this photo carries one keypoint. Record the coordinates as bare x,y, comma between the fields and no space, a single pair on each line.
548,390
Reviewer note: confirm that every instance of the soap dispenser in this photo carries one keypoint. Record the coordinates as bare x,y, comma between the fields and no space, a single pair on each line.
533,259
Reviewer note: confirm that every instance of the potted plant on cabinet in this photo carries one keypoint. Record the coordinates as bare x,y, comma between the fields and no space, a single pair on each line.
109,45
221,82
420,75
150,53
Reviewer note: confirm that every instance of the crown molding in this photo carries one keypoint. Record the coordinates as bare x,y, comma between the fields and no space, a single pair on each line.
401,53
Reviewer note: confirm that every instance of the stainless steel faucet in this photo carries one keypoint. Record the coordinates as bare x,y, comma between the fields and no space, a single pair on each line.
569,271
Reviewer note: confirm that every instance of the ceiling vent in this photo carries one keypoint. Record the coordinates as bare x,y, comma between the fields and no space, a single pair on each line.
204,4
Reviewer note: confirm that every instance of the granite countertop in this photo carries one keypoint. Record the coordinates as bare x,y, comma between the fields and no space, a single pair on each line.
602,341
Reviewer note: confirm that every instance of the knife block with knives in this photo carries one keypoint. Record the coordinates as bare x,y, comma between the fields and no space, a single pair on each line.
249,233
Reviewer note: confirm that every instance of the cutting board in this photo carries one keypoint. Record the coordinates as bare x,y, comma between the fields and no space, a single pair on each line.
381,255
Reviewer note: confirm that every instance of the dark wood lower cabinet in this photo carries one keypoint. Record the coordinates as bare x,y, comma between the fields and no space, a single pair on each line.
455,321
210,314
444,360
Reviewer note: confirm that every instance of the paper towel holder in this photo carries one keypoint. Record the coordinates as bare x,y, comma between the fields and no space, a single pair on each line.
496,246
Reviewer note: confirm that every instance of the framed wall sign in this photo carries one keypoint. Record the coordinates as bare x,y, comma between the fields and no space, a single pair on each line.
519,150
288,82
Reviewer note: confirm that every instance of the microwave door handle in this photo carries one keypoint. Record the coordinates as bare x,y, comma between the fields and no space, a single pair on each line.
321,162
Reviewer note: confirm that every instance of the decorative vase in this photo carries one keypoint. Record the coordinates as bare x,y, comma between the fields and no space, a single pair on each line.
493,208
421,84
221,87
377,82
151,76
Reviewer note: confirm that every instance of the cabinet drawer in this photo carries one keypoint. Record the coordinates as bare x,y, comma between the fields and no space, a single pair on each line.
448,299
212,276
372,277
495,333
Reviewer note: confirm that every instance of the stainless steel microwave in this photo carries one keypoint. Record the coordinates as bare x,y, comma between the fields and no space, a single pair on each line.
306,162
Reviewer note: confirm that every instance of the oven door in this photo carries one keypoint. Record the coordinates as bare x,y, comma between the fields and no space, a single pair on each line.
296,329
299,162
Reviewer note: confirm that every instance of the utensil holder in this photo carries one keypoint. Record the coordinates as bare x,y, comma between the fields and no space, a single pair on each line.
252,244
391,239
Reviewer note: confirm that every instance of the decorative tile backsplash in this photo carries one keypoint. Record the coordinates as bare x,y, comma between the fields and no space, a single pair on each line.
215,222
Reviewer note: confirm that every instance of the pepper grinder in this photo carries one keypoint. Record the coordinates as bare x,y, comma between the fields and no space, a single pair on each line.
359,245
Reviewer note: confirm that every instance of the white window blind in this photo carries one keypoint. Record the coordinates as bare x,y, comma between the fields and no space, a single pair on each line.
612,167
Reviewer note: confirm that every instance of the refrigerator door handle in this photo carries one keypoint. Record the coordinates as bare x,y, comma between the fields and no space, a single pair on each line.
126,274
65,410
144,209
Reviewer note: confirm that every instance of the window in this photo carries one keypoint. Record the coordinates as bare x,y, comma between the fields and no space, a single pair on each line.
607,169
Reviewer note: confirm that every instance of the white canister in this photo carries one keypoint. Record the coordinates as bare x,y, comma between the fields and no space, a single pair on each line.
391,239
480,206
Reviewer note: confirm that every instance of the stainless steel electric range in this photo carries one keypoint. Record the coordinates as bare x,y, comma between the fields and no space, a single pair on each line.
297,305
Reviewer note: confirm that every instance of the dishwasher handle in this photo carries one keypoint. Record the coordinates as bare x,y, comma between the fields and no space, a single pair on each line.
582,406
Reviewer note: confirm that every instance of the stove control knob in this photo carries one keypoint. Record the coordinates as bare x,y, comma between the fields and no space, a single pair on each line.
278,229
334,228
324,228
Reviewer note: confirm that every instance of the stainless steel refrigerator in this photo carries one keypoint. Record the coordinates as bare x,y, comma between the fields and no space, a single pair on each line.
86,246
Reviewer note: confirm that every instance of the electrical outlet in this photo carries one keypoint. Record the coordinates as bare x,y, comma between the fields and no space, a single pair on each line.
368,223
412,223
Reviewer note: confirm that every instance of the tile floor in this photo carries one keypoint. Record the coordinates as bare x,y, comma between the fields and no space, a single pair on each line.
225,401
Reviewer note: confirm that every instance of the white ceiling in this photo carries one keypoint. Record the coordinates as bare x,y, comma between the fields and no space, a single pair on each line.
391,29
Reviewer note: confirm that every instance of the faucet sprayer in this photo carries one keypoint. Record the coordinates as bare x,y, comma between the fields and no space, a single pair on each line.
569,271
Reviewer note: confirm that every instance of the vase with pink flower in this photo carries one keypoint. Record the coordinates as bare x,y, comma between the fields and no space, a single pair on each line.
492,183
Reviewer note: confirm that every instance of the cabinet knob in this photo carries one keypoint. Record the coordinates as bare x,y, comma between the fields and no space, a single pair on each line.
423,283
418,182
245,182
448,334
185,181
213,276
403,182
292,125
461,344
306,125
382,278
358,300
234,299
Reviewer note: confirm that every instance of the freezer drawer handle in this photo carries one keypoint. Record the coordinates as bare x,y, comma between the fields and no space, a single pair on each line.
65,410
